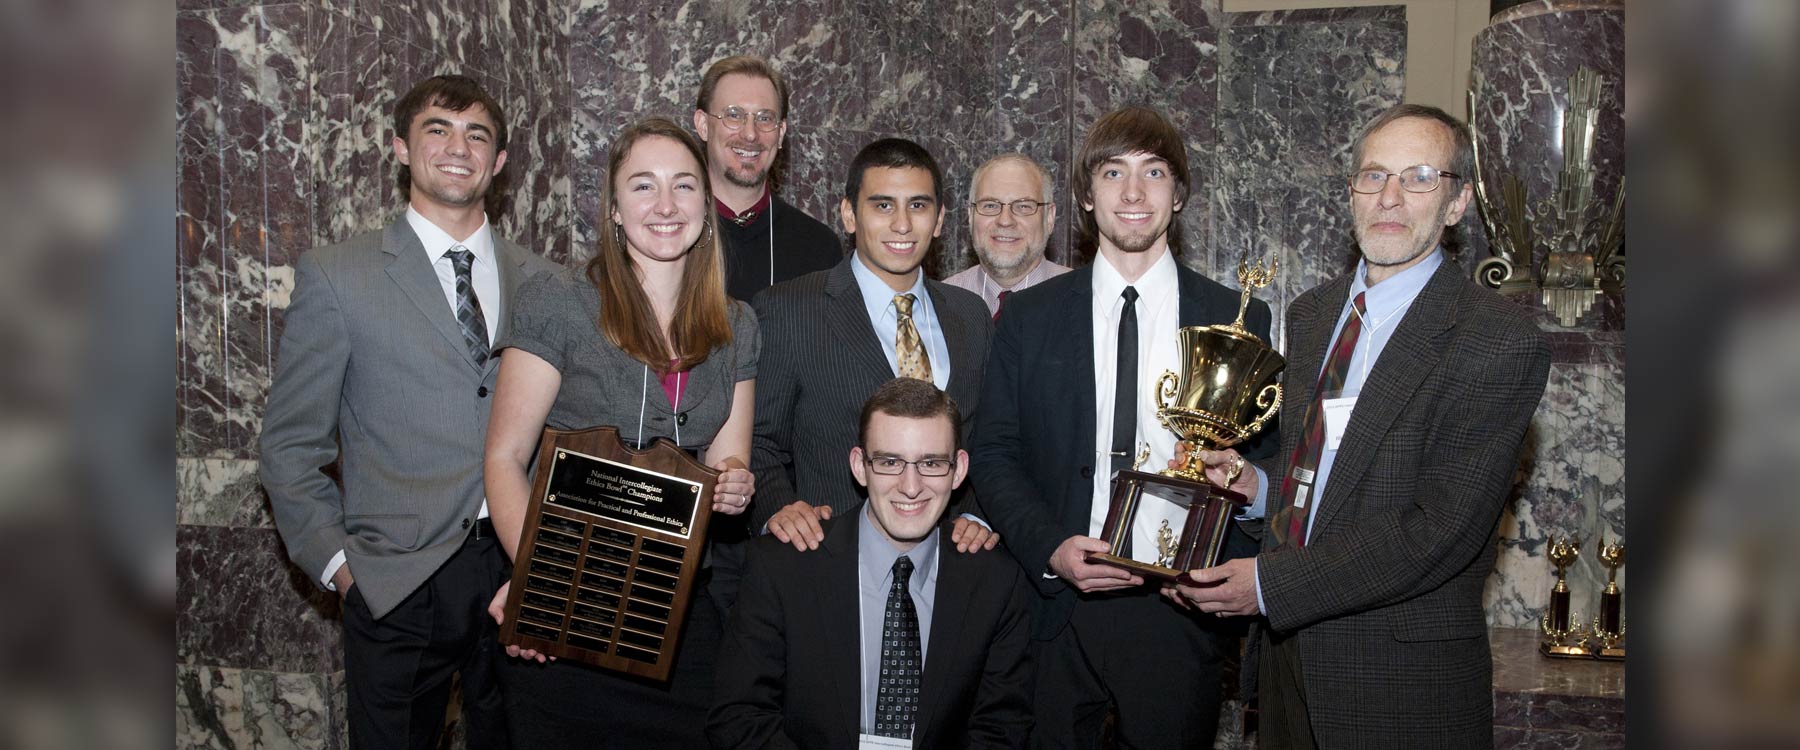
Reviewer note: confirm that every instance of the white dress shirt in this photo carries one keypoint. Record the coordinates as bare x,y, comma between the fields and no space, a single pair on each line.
1158,310
484,273
878,297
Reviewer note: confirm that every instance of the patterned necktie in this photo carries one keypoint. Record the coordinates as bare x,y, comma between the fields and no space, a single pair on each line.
897,697
909,351
468,308
1000,303
1297,487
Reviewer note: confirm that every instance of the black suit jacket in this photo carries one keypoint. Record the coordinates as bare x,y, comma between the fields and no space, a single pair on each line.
1033,447
820,361
1385,598
789,674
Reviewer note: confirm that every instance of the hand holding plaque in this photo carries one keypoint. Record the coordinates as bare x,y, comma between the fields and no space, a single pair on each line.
1224,394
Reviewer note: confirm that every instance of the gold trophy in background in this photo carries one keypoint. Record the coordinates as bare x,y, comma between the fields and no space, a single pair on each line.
1609,625
1225,393
1557,624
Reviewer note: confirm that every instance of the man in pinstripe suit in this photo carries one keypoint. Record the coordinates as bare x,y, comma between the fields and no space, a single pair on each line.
1399,441
832,337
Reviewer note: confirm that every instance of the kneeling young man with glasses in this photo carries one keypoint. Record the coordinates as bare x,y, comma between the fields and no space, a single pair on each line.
886,636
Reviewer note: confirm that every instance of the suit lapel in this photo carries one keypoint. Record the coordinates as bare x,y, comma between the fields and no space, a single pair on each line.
965,363
955,589
412,272
1075,334
843,626
510,259
848,319
1193,304
1410,355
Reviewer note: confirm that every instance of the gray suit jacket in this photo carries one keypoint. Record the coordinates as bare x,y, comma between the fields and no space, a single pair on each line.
373,368
1385,598
820,362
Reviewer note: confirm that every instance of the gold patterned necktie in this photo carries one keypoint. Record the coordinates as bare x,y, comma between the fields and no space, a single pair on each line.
909,351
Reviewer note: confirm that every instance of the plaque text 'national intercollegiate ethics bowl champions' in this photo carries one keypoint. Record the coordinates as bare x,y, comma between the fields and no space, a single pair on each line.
612,545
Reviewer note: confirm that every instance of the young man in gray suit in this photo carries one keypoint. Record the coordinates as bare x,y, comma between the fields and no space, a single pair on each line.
1409,389
385,370
831,338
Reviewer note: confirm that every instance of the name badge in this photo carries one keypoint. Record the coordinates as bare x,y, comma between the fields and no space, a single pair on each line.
1337,417
877,742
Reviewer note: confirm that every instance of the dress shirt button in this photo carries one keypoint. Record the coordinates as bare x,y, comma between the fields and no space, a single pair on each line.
1087,472
481,392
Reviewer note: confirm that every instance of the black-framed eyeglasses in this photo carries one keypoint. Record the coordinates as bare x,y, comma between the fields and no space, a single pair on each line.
1021,207
1420,179
895,465
734,119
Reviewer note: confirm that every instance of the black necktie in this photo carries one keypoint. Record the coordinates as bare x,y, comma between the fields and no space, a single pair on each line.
1124,432
897,697
468,308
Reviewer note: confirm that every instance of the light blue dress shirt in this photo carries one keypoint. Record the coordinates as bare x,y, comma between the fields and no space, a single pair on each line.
879,299
1386,304
875,557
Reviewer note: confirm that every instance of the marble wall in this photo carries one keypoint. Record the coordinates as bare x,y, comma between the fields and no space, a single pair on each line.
284,112
283,125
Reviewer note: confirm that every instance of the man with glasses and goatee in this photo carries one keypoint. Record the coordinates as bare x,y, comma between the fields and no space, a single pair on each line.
1011,212
1409,388
741,114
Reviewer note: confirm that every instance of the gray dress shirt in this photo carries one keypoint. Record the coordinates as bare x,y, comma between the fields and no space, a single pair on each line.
875,557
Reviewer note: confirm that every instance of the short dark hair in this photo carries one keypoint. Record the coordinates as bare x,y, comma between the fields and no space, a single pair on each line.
913,399
1462,162
455,93
893,153
749,65
1125,131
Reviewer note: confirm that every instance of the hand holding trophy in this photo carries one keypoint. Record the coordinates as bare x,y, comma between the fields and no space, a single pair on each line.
1224,394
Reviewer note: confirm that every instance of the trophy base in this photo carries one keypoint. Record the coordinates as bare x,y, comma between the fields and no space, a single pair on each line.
1208,512
1564,652
1617,653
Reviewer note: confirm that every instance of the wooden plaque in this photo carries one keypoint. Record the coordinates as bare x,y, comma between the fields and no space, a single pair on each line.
1209,511
612,545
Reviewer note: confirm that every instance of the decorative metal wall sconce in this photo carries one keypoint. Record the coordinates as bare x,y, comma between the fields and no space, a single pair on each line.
1584,242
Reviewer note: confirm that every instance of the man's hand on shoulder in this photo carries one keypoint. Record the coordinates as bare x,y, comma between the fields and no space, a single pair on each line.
1069,562
798,524
970,536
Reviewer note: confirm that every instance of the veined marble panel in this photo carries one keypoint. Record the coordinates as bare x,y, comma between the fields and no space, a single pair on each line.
238,708
220,492
240,603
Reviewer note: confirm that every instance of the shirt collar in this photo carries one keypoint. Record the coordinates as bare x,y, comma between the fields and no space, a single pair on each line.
876,554
437,241
991,288
878,297
749,214
1156,282
1396,292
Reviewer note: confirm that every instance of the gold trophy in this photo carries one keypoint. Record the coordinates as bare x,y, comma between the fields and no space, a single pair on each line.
1562,638
1609,625
1225,393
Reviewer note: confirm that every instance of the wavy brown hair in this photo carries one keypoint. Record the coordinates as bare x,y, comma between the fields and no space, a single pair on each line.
702,320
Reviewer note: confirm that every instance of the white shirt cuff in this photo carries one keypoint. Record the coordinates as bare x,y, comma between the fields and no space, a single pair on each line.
1259,506
331,569
977,519
1256,580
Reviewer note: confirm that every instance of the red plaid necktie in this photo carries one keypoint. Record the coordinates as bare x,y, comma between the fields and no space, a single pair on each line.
1000,303
1298,486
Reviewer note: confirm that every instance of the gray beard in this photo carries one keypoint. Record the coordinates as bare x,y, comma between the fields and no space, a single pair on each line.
757,181
996,268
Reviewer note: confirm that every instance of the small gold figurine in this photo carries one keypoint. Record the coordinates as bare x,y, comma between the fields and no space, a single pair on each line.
1558,624
1165,545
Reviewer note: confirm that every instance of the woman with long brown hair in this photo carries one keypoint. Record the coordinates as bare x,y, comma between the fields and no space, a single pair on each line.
645,340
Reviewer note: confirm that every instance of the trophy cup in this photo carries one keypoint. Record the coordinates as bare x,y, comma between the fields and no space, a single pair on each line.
1225,393
1556,624
1609,625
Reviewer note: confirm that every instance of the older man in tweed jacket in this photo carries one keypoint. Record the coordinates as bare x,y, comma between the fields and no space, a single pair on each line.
1409,390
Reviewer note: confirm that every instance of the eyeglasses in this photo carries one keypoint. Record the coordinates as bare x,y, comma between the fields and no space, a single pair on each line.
1020,207
734,119
895,465
1419,179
